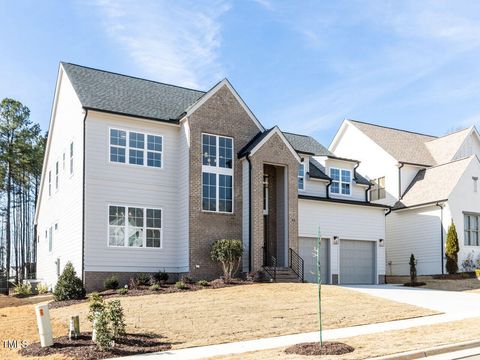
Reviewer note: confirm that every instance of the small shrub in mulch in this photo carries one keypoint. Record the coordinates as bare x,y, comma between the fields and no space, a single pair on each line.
84,348
328,348
415,284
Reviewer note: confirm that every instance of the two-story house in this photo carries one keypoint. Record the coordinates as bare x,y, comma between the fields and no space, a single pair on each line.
141,176
429,181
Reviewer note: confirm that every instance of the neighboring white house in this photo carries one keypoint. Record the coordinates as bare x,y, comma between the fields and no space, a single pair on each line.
141,176
429,182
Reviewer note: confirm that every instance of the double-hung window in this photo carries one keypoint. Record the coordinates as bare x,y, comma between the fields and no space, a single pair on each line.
472,231
71,158
378,189
217,173
136,148
132,226
50,239
341,181
301,176
50,183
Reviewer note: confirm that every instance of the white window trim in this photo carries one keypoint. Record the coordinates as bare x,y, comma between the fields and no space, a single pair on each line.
217,170
127,148
465,214
305,170
340,182
144,240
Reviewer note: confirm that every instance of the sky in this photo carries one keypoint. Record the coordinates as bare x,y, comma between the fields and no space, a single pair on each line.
302,65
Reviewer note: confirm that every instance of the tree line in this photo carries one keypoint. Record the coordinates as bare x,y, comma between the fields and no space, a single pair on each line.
22,149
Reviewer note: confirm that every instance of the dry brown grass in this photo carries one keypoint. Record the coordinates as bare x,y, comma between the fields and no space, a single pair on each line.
386,343
215,316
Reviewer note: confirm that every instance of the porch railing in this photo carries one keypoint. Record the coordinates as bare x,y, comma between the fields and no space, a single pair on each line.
270,264
296,263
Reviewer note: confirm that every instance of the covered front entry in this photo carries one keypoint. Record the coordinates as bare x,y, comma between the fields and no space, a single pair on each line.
357,262
275,241
308,252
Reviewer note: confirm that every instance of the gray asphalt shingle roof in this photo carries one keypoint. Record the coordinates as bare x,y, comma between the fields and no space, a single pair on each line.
307,145
107,91
433,184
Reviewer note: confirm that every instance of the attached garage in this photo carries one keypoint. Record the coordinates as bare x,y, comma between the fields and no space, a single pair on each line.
308,251
357,262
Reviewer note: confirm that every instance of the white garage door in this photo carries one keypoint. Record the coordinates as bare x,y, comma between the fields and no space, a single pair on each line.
357,262
307,251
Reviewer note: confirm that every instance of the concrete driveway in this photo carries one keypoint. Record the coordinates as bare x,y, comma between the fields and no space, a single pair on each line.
457,304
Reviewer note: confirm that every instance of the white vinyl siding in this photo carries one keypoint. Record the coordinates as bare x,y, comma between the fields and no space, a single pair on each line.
109,183
136,148
217,173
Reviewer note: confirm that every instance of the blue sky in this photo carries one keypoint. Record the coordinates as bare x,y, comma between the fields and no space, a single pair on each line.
304,65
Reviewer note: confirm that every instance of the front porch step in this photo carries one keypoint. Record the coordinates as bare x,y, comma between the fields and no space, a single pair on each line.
283,274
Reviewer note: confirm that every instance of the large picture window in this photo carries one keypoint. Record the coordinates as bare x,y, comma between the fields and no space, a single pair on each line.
472,231
341,181
136,148
134,227
217,173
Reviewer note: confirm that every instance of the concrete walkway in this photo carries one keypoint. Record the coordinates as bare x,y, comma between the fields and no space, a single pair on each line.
455,305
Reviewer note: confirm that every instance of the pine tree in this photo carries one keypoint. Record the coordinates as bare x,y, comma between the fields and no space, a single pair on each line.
451,249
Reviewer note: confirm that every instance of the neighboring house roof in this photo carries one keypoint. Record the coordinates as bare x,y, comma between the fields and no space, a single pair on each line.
307,145
402,145
443,149
111,92
361,180
433,184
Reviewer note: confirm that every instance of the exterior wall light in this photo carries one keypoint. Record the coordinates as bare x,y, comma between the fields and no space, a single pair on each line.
335,240
381,242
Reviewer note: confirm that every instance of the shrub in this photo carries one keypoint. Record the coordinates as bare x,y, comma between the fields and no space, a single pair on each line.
203,283
23,289
103,333
228,253
42,288
96,306
122,291
160,277
111,283
69,286
451,249
142,279
259,276
155,287
181,285
116,317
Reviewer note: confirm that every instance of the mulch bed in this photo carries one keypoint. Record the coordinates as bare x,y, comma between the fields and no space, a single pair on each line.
145,290
328,348
415,284
84,348
458,276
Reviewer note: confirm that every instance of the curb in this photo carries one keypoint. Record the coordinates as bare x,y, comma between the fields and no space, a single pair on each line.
418,354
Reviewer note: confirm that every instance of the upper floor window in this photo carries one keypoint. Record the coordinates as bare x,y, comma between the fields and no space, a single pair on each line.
472,231
49,183
141,149
265,194
378,189
217,173
341,181
71,158
56,175
475,183
63,161
134,227
50,239
301,176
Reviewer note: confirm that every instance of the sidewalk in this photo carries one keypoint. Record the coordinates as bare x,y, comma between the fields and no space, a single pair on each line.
428,298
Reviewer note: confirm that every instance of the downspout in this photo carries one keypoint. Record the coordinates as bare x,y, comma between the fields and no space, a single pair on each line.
83,196
366,193
328,188
400,180
441,235
249,213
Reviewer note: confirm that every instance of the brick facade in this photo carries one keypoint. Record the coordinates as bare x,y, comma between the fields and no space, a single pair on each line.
223,115
94,279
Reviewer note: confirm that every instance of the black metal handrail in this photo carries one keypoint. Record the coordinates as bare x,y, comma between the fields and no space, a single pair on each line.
270,264
296,263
